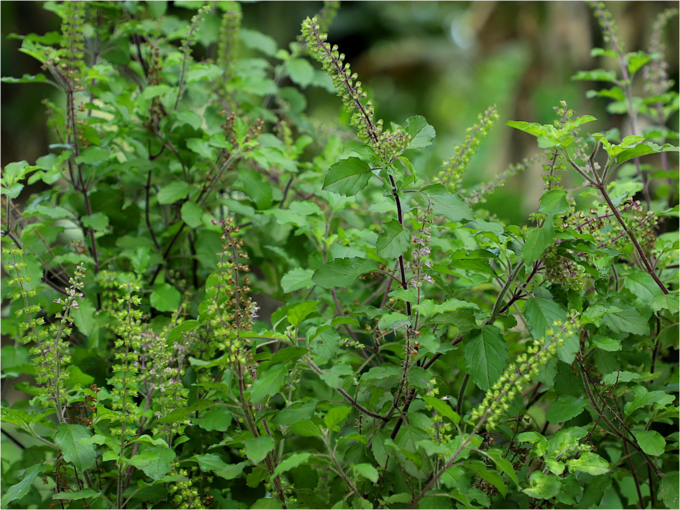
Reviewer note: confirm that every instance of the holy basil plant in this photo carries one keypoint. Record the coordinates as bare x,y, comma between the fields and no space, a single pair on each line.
413,350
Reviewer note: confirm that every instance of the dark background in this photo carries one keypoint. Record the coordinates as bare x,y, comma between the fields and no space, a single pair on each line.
447,61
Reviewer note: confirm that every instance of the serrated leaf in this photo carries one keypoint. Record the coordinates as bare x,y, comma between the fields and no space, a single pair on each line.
393,241
98,221
451,205
565,408
669,488
341,272
485,355
347,177
68,438
627,320
380,373
421,133
297,279
651,442
492,477
258,448
165,298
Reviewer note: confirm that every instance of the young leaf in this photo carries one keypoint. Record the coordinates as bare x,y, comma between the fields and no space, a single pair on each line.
300,311
422,134
269,384
543,486
165,298
291,462
347,177
336,416
590,463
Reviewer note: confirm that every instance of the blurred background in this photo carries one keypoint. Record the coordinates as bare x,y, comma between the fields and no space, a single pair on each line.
448,61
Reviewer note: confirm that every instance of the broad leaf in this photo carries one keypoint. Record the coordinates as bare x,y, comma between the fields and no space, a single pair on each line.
341,272
485,355
448,204
258,448
393,241
68,438
347,177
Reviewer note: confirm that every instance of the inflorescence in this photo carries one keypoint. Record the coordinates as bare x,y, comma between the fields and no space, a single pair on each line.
519,374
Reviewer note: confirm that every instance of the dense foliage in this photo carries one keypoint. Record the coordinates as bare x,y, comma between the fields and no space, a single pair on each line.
415,350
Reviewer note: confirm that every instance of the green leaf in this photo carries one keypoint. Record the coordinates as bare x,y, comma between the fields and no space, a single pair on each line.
20,489
258,41
595,75
367,471
84,317
642,150
26,78
540,314
232,471
157,8
627,320
421,133
378,447
299,311
300,71
485,355
201,147
258,448
291,462
537,241
565,408
492,477
297,279
503,464
93,155
98,221
216,418
594,491
442,408
306,428
393,241
192,214
173,192
590,463
668,489
165,298
448,204
636,60
210,462
336,416
554,202
341,272
74,496
68,438
380,373
543,486
347,177
259,191
155,461
269,384
651,442
606,344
